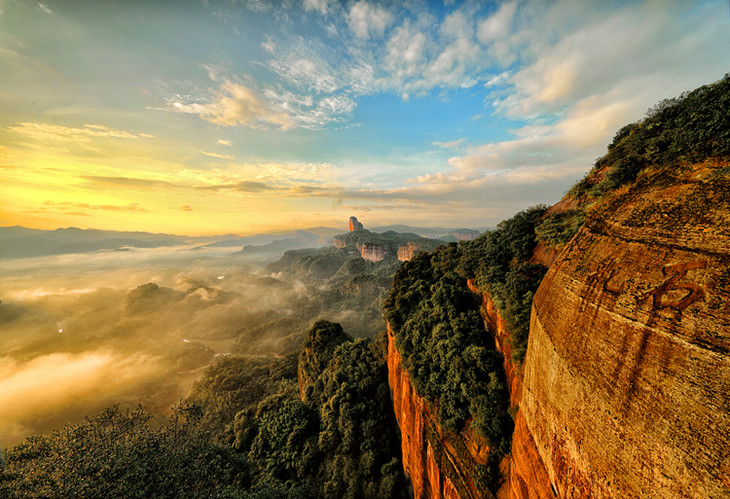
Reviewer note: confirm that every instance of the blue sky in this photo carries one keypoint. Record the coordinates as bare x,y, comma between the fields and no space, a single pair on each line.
203,117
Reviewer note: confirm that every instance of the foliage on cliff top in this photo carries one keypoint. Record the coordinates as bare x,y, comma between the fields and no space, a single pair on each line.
340,441
451,361
690,128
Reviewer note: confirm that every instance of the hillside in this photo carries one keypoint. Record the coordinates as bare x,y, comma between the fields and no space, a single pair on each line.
607,372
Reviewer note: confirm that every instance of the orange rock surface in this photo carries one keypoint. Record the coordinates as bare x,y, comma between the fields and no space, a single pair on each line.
437,465
625,388
626,384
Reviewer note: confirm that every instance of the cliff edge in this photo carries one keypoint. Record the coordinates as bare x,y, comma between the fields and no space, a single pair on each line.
627,373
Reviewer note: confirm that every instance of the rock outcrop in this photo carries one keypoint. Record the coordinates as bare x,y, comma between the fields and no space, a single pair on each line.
437,465
407,251
355,225
464,234
371,252
626,386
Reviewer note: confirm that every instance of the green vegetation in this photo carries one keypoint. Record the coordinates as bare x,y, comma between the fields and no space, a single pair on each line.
450,360
339,441
689,128
245,434
499,261
439,333
557,230
117,454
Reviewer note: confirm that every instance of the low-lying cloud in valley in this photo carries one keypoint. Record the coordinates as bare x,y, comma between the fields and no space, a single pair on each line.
81,332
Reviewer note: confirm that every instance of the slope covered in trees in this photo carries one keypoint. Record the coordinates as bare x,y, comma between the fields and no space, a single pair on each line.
437,329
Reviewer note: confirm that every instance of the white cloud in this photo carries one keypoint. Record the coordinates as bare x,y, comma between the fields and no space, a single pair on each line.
405,52
233,104
320,6
449,145
368,20
218,156
44,8
498,24
224,142
268,45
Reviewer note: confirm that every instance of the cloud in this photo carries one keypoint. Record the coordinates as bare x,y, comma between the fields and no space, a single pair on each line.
218,156
368,20
135,182
449,145
25,389
223,142
310,73
237,104
185,207
233,104
44,8
321,6
242,186
498,24
59,133
67,206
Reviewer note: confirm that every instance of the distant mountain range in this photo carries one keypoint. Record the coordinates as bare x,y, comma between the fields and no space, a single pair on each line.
22,242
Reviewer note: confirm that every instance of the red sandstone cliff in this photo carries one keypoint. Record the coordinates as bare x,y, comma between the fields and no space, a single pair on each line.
371,252
436,464
625,388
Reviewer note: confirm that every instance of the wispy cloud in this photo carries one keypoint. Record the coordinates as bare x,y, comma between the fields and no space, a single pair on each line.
242,186
449,145
60,133
232,104
135,182
218,156
44,8
71,206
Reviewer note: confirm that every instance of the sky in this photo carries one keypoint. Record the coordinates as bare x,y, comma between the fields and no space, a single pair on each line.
208,117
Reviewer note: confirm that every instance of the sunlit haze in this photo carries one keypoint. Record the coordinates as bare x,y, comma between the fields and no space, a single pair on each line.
249,116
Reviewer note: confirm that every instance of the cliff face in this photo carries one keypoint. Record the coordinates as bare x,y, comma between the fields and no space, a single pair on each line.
524,472
624,388
371,252
627,374
407,252
438,466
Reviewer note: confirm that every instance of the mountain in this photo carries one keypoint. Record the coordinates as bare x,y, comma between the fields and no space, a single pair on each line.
428,232
20,242
605,369
580,350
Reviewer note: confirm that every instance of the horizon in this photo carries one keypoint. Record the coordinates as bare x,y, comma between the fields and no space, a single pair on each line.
211,118
243,235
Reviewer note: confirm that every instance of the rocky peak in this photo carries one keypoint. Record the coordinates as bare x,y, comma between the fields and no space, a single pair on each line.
355,225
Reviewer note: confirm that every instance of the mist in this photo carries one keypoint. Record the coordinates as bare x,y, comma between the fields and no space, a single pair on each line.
80,332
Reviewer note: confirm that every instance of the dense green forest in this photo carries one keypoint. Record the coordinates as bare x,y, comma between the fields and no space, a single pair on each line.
440,334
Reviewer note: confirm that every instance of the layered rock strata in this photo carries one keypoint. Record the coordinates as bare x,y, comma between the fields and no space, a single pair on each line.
438,465
626,386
